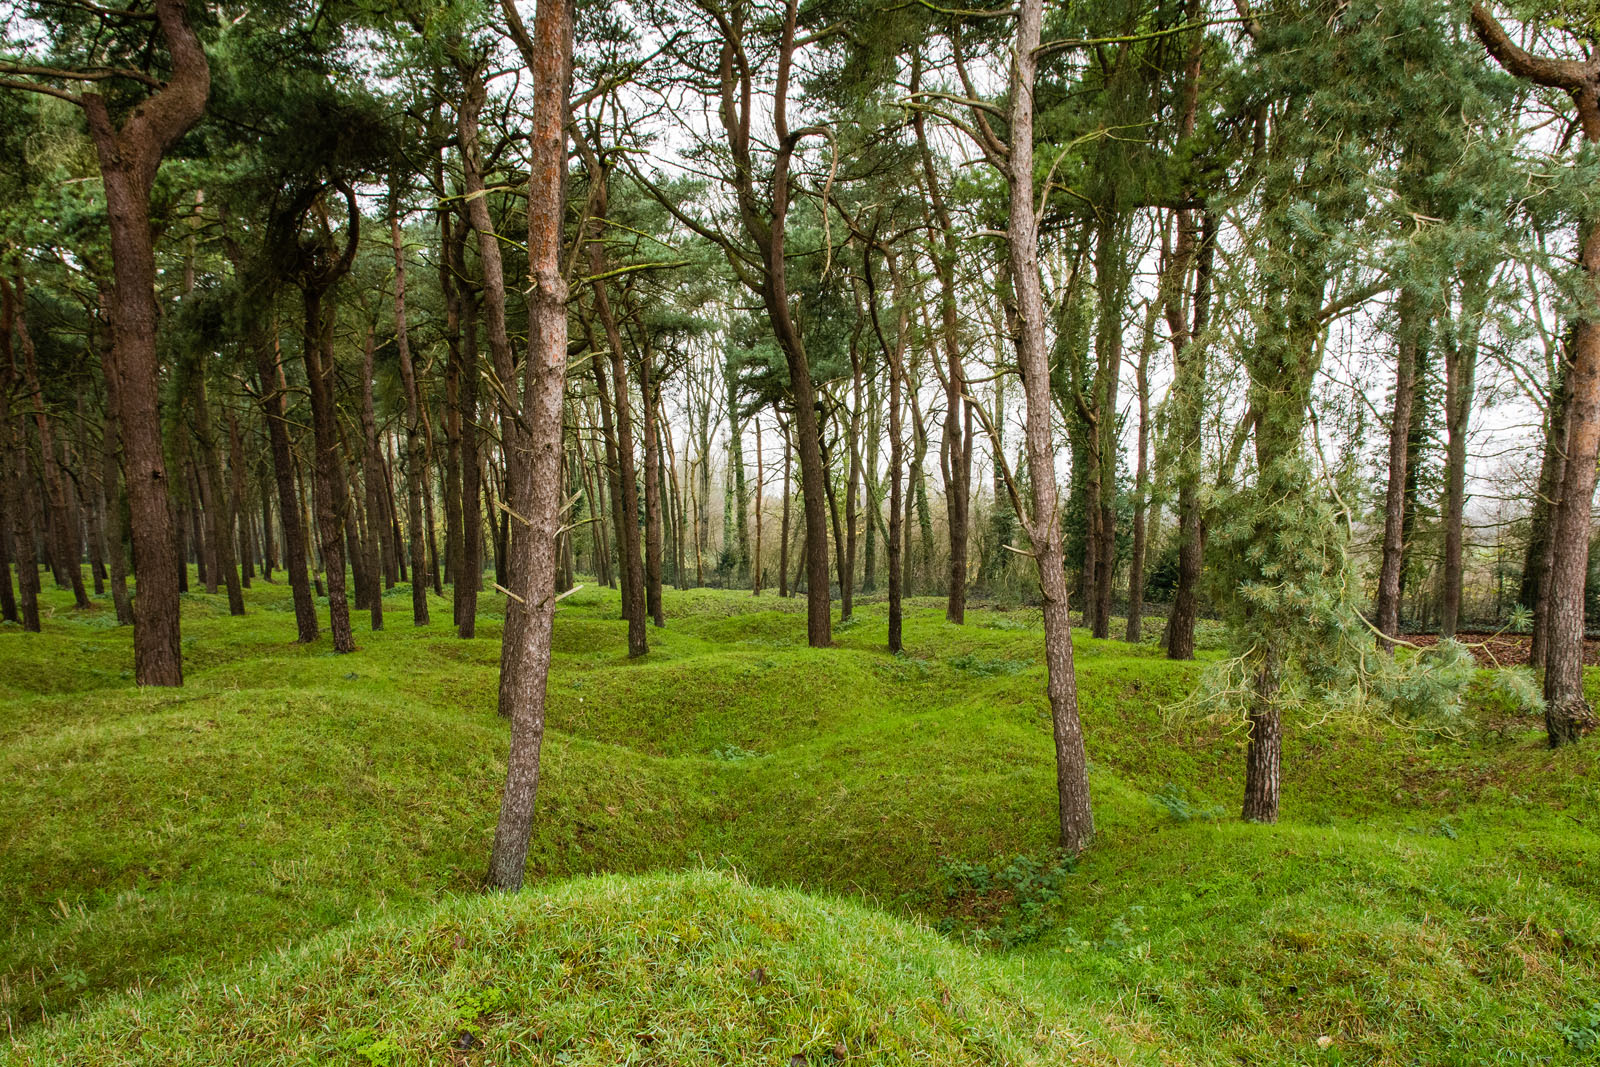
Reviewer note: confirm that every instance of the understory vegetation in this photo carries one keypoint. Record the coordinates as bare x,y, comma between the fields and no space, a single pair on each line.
782,855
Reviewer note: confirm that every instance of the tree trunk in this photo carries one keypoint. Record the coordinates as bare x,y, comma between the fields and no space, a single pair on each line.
470,572
376,538
852,491
415,455
1405,387
65,551
1567,713
765,221
649,397
218,510
1072,768
783,534
331,491
1535,592
1264,757
1141,482
1189,384
893,353
372,472
627,482
237,521
274,393
116,512
534,458
128,160
21,503
1461,368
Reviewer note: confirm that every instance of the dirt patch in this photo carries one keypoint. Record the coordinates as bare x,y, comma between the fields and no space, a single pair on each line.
1503,650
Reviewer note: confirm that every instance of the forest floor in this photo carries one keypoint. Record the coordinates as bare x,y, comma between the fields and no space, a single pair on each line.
1503,649
748,851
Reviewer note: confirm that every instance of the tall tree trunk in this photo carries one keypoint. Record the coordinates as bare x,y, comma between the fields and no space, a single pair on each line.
415,456
1535,591
332,493
237,521
783,534
1411,316
852,492
1141,481
372,472
129,158
681,521
1111,280
457,422
219,540
269,547
957,448
893,353
1189,384
470,573
376,538
274,406
534,458
916,493
1567,713
65,551
21,500
1072,766
489,263
765,220
628,518
761,482
649,397
1460,370
116,512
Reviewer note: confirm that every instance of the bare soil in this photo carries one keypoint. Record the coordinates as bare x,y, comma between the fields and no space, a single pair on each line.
1504,649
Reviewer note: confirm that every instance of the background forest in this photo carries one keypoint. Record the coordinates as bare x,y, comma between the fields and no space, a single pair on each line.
1132,392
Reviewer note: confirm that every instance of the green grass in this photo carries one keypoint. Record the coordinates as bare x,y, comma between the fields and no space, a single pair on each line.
258,867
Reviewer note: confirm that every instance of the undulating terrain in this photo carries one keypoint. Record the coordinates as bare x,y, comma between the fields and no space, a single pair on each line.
749,851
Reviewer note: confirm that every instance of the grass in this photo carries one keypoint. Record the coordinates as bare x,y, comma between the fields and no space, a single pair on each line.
263,866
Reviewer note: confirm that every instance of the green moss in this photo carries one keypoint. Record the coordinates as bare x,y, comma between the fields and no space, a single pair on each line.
684,968
1423,900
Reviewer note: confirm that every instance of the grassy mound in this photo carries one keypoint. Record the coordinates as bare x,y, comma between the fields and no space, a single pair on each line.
689,968
1423,900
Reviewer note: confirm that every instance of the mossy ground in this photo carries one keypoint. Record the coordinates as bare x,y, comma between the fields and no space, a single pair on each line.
254,868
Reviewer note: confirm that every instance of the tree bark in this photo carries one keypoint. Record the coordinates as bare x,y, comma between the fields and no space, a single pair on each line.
332,493
534,458
627,479
765,220
783,533
1460,378
116,511
219,510
416,458
1189,357
21,501
65,550
1410,315
1141,482
374,537
1568,715
237,520
1072,768
649,397
1264,757
274,407
1535,591
128,159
